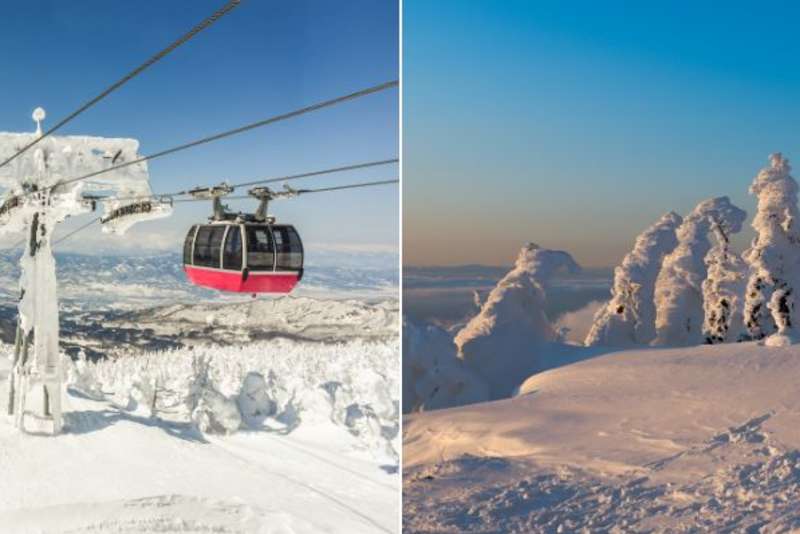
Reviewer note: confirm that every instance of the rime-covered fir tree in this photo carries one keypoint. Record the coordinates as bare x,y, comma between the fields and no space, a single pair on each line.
629,317
773,257
678,291
500,343
723,289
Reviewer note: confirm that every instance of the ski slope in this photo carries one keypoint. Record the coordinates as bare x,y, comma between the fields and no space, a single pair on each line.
702,438
118,468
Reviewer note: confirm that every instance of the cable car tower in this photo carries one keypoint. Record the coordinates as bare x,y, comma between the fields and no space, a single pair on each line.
40,192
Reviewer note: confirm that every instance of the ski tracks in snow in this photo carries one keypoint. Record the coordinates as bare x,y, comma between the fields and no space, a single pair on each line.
331,494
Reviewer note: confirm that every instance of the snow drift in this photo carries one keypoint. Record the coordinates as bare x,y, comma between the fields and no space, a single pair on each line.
643,440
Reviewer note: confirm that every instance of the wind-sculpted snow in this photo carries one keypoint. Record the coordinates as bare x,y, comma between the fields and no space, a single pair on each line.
702,439
678,290
499,344
774,256
629,317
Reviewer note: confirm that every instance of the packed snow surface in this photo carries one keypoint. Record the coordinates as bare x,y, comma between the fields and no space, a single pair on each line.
272,436
693,439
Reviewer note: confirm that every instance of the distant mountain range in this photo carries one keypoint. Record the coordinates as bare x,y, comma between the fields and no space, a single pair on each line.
129,282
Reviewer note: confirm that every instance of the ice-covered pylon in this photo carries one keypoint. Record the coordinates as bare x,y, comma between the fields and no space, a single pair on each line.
629,318
723,289
499,344
41,191
773,256
678,290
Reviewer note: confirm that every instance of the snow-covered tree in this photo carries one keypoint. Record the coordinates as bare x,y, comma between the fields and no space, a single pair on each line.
499,344
629,318
774,253
678,290
433,376
723,289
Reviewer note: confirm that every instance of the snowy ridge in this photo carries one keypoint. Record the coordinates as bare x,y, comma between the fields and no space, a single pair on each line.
301,318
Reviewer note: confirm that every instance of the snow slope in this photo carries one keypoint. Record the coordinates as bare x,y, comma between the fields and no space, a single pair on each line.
689,439
321,461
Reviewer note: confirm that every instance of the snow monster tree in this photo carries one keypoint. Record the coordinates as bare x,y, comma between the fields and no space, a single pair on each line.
678,291
500,343
629,318
773,256
723,289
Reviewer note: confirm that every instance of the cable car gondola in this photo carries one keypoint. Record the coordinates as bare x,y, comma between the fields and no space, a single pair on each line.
243,253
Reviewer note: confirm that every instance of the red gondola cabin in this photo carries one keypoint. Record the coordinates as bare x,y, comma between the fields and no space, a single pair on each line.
244,257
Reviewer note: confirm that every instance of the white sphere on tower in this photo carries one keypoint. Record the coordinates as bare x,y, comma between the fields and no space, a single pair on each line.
38,116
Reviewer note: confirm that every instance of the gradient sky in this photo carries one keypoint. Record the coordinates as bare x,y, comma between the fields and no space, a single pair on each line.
265,58
577,124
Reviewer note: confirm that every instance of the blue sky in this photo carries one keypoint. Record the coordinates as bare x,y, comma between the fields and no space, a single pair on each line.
577,124
265,58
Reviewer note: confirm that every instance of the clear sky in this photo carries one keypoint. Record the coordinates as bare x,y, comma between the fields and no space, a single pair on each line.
265,58
577,124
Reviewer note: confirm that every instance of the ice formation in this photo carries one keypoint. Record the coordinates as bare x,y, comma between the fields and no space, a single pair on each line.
773,256
628,319
433,376
678,290
723,289
499,343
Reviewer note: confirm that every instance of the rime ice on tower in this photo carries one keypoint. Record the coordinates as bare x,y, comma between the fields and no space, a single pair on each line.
678,290
629,318
498,342
38,196
773,255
